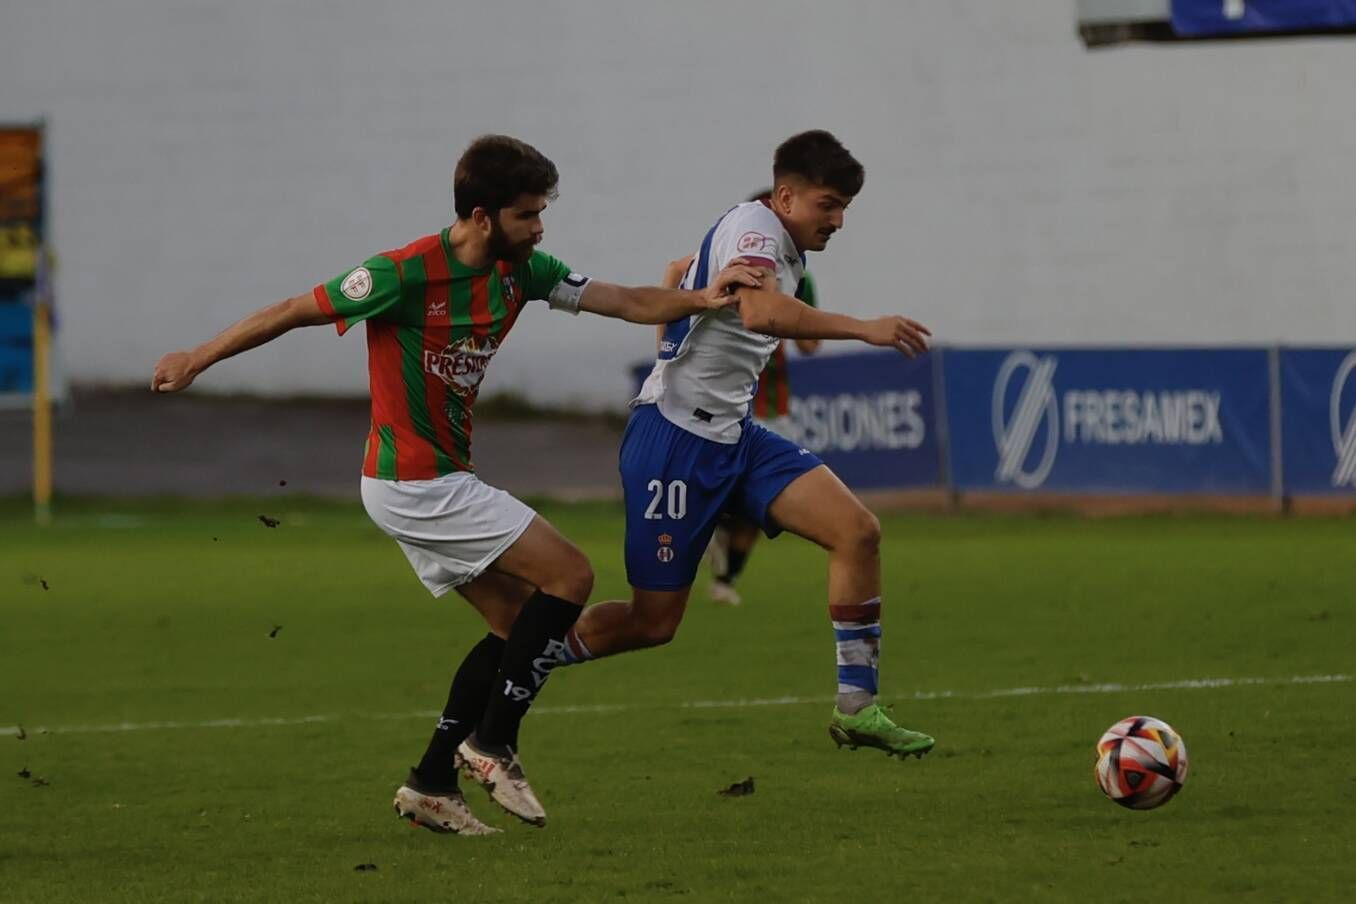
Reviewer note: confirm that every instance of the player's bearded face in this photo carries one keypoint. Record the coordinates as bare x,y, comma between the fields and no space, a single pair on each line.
505,248
516,230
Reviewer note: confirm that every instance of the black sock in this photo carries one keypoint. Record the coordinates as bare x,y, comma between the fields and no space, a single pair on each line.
534,648
466,702
735,560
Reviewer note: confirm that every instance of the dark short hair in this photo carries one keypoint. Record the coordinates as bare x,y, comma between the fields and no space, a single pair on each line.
818,157
495,170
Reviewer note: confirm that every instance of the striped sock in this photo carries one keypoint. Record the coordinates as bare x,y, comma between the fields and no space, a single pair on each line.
575,649
857,632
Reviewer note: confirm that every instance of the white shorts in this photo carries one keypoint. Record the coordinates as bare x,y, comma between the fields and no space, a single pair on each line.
451,528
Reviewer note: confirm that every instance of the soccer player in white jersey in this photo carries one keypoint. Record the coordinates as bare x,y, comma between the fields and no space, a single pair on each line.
691,451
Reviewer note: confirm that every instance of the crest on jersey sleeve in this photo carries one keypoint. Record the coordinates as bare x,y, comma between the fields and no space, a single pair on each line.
357,285
755,242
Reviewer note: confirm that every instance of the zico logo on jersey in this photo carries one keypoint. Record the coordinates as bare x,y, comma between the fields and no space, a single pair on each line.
1027,413
1343,428
462,364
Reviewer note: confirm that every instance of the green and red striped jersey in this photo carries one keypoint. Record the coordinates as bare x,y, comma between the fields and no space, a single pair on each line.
773,396
433,325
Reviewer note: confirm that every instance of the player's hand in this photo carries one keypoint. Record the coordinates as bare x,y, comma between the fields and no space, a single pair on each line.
676,270
909,336
736,275
173,372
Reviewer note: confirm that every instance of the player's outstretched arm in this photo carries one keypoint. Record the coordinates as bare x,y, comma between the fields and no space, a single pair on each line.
177,370
775,314
645,304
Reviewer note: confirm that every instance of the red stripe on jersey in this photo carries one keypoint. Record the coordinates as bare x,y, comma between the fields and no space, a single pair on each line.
757,261
322,298
437,337
417,248
862,613
390,404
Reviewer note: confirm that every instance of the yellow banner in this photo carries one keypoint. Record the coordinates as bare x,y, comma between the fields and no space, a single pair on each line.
20,201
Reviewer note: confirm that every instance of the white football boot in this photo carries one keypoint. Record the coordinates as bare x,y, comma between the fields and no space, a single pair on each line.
441,811
501,774
724,594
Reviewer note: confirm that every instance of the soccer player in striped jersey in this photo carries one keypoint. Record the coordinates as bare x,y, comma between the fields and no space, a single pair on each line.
436,312
734,539
691,452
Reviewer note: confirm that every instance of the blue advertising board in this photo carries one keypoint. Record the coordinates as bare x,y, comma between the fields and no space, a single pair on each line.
16,346
1217,18
1109,420
871,416
1318,417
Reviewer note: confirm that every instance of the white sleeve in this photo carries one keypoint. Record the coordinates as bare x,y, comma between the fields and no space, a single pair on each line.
752,231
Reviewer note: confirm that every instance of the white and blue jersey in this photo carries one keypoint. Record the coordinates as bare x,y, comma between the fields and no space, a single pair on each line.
691,452
708,365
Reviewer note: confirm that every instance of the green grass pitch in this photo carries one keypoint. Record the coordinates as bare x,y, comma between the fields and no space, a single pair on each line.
258,767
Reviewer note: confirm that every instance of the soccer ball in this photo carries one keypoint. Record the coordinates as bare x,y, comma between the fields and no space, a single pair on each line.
1141,762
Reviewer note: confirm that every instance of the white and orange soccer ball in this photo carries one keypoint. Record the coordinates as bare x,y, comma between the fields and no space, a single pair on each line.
1141,762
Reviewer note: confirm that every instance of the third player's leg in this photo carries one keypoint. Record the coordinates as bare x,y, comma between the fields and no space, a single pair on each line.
650,619
818,507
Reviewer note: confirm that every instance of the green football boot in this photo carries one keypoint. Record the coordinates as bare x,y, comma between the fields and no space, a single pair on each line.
873,728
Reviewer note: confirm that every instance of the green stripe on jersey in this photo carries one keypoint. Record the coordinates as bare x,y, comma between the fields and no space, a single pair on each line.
386,453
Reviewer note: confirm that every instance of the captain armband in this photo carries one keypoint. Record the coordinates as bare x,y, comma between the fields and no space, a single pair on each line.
567,293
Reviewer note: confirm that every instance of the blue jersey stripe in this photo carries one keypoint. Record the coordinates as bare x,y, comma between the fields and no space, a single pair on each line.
676,330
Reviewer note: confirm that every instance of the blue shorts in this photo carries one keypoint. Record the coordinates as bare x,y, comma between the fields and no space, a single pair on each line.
678,484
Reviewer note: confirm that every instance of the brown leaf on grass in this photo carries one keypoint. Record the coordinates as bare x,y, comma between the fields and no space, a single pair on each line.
40,782
365,868
738,789
24,773
44,584
274,632
269,522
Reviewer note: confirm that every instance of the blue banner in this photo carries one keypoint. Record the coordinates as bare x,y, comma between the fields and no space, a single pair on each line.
16,346
1213,18
870,415
1318,418
1109,420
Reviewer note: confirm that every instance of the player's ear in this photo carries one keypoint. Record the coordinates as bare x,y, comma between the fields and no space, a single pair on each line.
782,196
483,220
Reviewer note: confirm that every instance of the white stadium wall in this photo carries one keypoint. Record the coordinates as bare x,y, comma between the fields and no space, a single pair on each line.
209,157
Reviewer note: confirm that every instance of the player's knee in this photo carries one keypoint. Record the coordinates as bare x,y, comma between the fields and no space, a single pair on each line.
657,632
573,577
863,533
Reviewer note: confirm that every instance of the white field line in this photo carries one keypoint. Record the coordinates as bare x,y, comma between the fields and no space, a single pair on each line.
1192,684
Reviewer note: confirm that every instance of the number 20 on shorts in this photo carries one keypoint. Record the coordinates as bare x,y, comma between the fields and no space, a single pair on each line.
674,493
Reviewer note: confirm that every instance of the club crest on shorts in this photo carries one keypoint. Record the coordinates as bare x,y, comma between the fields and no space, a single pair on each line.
665,552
